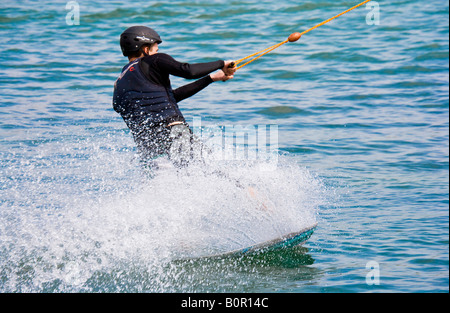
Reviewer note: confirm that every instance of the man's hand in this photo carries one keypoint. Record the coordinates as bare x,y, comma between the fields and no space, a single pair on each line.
220,75
229,69
224,74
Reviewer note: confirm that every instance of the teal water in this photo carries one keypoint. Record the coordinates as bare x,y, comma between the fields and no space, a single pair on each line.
363,134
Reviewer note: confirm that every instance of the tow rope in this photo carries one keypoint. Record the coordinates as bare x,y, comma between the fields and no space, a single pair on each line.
292,38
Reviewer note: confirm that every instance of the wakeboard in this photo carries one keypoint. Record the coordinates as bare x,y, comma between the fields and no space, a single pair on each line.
283,242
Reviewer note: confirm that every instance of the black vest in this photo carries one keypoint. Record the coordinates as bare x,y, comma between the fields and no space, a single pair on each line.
141,103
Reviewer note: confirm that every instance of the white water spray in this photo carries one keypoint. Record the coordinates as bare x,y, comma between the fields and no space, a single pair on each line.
78,210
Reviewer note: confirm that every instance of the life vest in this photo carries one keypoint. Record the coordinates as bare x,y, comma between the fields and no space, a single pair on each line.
141,103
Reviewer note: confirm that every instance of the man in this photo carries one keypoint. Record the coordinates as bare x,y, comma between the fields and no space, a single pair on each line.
143,95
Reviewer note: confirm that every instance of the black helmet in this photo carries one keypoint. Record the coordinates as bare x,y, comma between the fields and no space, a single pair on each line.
133,38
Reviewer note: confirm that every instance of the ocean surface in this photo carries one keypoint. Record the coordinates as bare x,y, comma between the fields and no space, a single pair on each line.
359,106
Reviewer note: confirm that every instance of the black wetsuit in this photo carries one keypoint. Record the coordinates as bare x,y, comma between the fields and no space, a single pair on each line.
158,67
143,96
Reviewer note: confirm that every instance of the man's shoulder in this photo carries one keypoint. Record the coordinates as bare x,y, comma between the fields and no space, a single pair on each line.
157,56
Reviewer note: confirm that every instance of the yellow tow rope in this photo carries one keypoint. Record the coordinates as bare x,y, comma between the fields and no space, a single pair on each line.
293,37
